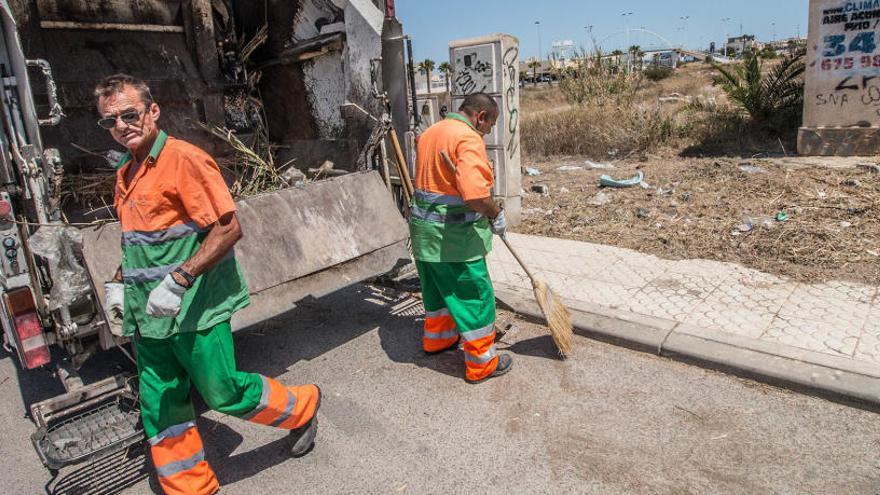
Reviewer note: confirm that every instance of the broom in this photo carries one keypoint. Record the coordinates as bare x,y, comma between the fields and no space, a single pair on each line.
555,313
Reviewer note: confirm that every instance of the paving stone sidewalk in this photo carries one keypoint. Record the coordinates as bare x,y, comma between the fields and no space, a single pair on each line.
836,318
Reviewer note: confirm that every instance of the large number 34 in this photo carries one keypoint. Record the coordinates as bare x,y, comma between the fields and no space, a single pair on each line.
835,45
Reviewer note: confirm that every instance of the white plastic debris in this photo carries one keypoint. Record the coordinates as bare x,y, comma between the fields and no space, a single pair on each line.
568,168
532,171
600,199
59,245
598,166
751,169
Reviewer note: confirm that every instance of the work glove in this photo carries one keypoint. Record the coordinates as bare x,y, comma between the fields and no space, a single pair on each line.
114,295
164,301
499,224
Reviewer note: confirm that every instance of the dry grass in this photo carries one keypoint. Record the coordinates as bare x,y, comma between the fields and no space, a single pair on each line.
703,204
692,150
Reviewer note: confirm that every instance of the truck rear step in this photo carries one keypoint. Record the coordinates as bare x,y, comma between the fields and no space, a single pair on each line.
86,424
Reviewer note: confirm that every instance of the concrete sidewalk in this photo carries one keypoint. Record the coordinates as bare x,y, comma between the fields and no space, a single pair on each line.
821,336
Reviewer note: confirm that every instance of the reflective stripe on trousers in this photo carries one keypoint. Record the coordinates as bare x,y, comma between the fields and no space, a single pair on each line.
480,357
440,331
180,463
284,407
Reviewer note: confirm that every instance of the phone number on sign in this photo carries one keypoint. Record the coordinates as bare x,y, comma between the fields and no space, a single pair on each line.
836,46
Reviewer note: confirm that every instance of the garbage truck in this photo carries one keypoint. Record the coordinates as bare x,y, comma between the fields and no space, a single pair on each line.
289,87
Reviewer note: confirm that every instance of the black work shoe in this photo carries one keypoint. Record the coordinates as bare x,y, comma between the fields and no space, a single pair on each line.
441,351
302,439
505,362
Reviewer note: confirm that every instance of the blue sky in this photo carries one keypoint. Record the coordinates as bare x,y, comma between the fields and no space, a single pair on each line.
433,23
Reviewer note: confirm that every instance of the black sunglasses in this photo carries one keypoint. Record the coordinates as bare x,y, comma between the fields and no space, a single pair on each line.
127,117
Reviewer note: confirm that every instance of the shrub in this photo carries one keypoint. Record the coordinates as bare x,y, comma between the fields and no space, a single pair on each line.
596,132
657,72
597,82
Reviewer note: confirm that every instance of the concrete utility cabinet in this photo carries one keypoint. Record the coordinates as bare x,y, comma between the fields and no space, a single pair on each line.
490,64
842,94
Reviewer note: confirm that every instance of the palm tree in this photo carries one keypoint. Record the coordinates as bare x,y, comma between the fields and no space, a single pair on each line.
774,99
446,70
427,66
534,64
636,52
616,54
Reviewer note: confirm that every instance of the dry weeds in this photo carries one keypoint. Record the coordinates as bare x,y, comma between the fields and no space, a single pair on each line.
695,158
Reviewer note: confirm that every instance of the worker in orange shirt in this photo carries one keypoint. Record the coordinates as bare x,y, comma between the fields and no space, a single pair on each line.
452,222
177,289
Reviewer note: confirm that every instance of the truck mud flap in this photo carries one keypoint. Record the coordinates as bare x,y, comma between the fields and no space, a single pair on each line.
298,242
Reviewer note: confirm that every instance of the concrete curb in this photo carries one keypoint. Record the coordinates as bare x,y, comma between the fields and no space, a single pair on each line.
837,378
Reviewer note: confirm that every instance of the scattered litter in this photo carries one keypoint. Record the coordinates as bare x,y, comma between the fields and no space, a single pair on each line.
569,168
644,185
541,189
665,192
563,190
607,181
852,183
600,199
598,166
533,211
532,172
748,168
643,212
686,196
822,194
871,168
748,224
845,225
782,216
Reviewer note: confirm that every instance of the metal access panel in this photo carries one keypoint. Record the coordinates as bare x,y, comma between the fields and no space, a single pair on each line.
490,64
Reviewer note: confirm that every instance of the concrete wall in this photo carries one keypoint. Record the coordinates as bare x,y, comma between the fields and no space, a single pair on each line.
842,95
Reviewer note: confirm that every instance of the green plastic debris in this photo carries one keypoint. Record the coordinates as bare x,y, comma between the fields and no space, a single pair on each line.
608,181
782,216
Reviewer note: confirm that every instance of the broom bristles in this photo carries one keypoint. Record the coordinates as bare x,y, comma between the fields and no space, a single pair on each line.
557,316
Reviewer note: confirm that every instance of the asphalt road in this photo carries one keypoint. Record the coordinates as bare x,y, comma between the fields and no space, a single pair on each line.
608,420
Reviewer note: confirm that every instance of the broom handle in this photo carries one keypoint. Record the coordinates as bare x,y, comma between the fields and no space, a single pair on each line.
518,259
503,238
405,178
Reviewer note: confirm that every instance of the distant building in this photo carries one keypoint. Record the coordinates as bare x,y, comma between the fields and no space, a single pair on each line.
786,45
740,44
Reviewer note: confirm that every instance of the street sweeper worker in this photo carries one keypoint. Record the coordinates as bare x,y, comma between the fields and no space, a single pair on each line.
452,222
178,287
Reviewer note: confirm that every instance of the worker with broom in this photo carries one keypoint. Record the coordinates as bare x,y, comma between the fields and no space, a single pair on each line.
452,222
177,289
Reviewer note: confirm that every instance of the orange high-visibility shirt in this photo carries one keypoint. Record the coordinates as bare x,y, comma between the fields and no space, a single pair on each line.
465,146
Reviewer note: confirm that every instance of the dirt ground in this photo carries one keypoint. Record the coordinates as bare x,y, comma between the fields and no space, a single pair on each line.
702,208
719,203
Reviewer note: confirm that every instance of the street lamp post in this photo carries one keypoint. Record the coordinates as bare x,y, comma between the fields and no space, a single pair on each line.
589,30
540,48
726,34
684,20
774,31
626,16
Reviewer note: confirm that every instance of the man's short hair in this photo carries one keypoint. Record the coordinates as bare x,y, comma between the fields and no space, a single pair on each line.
111,85
479,102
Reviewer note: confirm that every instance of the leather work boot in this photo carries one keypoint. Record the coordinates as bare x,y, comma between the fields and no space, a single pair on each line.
505,362
441,351
302,439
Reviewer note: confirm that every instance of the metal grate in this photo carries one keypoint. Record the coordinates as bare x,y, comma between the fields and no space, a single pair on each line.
107,428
